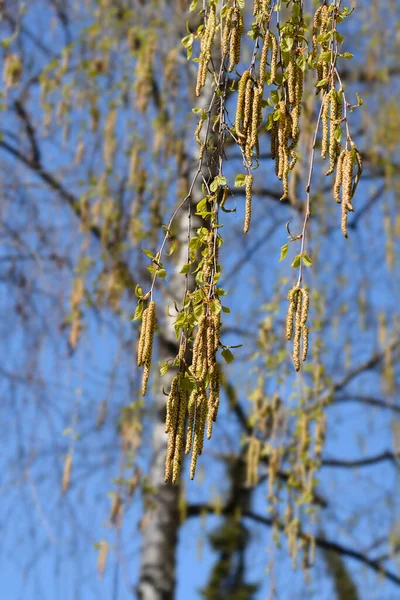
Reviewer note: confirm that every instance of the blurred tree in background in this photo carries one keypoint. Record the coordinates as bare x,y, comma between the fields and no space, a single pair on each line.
97,152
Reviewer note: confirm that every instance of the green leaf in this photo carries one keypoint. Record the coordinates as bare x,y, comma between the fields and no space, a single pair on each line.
147,253
240,180
164,368
228,356
226,310
284,251
188,40
338,133
359,100
185,269
306,260
322,83
161,273
138,291
296,262
193,5
347,55
138,311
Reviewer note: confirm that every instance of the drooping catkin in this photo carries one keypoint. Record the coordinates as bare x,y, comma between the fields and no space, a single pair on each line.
297,334
253,457
66,479
264,57
190,421
296,322
235,38
248,106
347,189
240,103
249,188
142,338
227,31
179,436
291,80
150,324
274,58
206,43
339,177
325,125
335,116
198,438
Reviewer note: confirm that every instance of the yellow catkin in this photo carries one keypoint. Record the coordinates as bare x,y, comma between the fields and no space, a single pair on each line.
227,30
102,558
172,406
176,469
335,115
253,457
274,58
325,125
240,102
66,473
142,338
347,189
305,306
305,342
198,438
255,118
291,79
145,377
199,347
148,344
248,106
210,336
190,421
297,334
297,105
274,140
247,217
359,170
207,40
339,177
235,39
292,297
264,57
215,385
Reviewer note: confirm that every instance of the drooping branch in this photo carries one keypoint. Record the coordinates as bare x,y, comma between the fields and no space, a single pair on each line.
194,510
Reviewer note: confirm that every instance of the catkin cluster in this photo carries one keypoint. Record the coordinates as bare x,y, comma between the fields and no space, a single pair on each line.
200,407
322,23
285,132
232,35
145,345
344,182
248,114
331,118
296,327
207,39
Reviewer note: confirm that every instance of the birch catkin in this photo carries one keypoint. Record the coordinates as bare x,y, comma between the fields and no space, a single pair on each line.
145,345
247,216
296,327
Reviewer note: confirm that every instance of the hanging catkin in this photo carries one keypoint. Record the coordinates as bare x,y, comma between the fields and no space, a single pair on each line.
296,320
247,216
146,343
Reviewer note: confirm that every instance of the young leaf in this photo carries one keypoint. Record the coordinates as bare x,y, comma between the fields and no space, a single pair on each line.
240,180
228,356
296,262
284,251
306,260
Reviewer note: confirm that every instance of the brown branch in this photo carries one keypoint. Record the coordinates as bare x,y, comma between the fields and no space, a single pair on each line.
378,402
362,462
